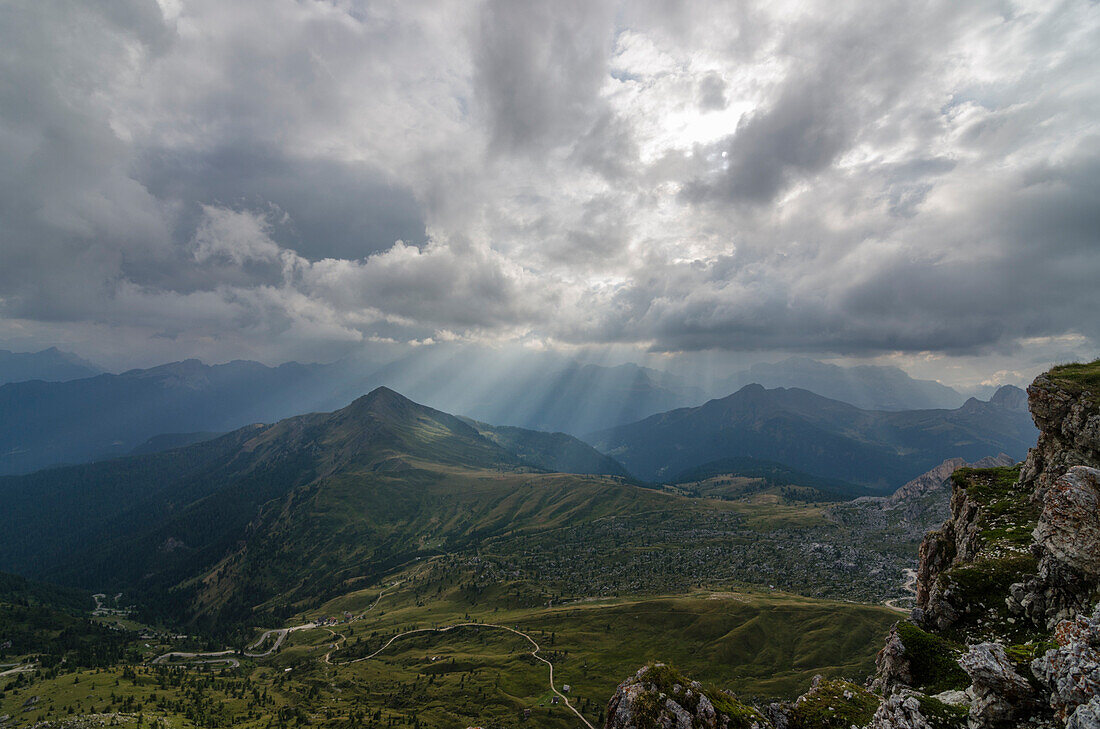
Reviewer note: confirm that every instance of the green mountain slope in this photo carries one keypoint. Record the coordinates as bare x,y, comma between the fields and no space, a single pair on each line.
294,508
43,625
550,451
768,474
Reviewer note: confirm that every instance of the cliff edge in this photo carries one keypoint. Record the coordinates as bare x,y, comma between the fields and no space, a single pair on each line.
1006,631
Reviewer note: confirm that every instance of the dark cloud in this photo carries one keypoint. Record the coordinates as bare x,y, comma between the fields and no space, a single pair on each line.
539,69
335,209
802,133
712,93
858,180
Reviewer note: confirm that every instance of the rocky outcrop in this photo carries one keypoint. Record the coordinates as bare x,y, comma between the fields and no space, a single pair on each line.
659,697
1071,672
910,710
892,670
1063,473
1028,548
1067,542
938,479
956,542
1069,431
999,693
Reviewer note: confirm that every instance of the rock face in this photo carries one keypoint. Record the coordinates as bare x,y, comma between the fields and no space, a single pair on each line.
1063,471
956,542
892,669
1069,432
1067,542
999,693
1072,670
659,697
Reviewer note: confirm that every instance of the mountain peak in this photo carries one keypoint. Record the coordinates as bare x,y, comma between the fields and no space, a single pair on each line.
381,398
1010,396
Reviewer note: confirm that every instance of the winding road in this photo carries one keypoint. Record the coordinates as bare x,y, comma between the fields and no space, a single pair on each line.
281,632
215,657
228,655
534,654
910,585
225,656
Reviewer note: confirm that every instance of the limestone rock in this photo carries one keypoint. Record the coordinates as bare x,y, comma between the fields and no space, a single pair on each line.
1069,434
1067,541
911,710
1000,694
1087,716
659,697
1072,670
1069,528
956,542
892,666
900,711
953,698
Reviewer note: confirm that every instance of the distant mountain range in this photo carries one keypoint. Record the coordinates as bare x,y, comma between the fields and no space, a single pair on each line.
51,365
870,387
50,423
46,424
538,391
824,437
334,496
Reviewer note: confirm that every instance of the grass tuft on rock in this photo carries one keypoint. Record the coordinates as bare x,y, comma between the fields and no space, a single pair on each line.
933,661
942,716
833,704
1078,377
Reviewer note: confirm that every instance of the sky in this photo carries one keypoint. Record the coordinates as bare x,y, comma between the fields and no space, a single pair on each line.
909,183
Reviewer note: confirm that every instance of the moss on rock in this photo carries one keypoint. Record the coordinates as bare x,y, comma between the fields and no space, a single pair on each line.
834,703
942,716
933,661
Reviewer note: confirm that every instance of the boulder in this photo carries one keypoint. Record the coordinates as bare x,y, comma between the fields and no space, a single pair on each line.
900,711
1087,716
1071,672
1000,693
659,697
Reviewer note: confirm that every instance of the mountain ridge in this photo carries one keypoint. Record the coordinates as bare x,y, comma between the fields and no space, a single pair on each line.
157,522
821,436
48,365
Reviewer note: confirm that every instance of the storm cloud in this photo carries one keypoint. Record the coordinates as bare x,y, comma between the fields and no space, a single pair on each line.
287,179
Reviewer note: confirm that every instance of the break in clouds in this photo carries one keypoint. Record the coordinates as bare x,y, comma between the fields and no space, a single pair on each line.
294,179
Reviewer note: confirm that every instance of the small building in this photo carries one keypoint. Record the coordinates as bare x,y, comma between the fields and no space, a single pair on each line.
565,688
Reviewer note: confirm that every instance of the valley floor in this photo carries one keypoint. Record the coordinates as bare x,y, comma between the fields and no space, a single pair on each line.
451,642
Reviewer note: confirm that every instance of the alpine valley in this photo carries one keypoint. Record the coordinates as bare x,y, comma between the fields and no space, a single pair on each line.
390,564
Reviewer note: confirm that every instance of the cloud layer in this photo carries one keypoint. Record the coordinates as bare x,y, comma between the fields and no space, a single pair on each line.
293,179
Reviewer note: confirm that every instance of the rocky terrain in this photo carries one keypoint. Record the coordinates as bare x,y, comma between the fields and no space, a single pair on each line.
1006,631
917,506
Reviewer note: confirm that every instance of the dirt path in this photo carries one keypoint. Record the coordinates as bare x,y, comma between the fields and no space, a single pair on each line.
910,586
